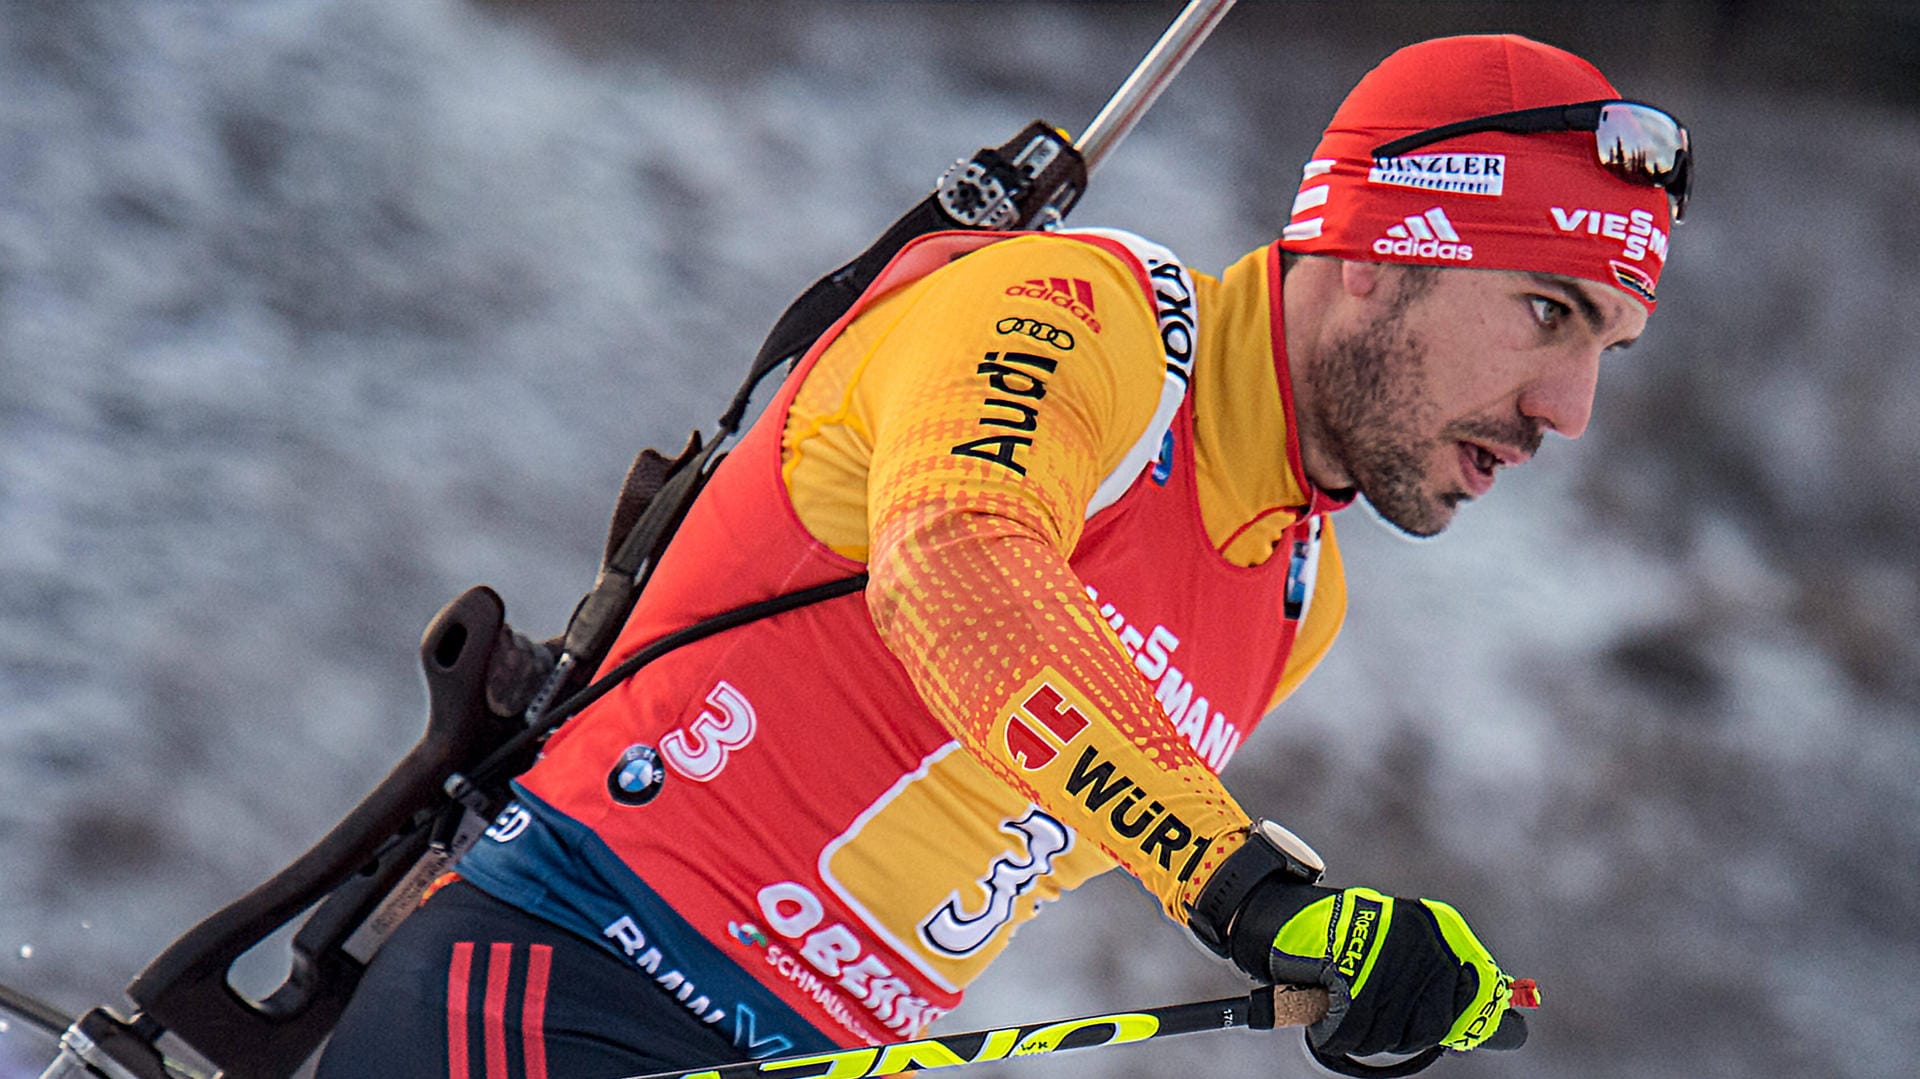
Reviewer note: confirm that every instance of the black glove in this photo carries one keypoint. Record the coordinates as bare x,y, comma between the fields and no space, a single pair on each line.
1402,975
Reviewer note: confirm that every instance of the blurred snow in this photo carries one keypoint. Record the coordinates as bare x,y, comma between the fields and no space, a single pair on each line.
312,314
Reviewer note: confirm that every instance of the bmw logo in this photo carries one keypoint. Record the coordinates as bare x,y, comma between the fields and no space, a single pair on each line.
637,777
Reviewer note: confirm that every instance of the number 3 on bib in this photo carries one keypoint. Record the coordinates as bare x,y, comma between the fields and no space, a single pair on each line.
700,750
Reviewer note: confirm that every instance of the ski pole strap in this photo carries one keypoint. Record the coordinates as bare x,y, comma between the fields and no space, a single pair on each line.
1345,1065
1267,1007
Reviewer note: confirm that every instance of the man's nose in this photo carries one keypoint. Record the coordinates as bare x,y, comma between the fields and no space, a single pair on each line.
1561,397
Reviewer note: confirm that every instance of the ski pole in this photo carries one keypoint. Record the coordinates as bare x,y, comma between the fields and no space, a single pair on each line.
1265,1008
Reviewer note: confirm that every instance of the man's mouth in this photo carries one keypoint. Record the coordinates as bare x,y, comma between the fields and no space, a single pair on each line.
1477,465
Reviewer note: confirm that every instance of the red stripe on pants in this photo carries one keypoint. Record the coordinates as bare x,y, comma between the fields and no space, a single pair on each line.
533,1012
457,973
499,963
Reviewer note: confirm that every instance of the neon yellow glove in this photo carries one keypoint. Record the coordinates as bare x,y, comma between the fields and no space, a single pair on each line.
1402,975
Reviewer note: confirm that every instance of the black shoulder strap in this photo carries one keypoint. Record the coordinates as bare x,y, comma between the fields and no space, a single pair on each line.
1031,180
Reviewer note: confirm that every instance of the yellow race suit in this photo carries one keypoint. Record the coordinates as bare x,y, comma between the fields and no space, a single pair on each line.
1069,468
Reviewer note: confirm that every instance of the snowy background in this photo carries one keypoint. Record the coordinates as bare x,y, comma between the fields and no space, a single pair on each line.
312,314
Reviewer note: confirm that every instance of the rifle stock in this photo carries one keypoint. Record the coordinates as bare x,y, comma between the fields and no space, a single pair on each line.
186,991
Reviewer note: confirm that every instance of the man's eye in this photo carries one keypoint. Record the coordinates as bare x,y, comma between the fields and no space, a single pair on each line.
1548,312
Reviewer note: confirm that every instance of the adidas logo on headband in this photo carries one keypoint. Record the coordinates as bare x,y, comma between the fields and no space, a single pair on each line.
1426,236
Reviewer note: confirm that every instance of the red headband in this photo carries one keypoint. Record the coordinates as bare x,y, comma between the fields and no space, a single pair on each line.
1496,201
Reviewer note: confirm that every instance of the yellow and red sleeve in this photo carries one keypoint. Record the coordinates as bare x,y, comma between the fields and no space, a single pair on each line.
987,443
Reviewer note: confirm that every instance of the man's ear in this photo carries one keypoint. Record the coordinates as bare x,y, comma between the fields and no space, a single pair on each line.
1360,279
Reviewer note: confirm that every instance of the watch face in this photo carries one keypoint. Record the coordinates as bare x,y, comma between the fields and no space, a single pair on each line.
1292,846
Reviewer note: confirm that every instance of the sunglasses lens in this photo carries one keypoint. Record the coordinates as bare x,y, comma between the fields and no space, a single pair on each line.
1647,146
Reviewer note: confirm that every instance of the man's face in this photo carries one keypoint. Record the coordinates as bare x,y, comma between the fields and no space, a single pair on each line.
1442,376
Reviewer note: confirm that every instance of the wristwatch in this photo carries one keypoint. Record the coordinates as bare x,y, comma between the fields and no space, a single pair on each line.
1270,850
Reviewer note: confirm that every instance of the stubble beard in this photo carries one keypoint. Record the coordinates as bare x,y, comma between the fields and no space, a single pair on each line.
1371,392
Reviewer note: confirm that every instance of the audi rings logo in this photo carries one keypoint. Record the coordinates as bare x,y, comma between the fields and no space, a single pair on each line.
1044,332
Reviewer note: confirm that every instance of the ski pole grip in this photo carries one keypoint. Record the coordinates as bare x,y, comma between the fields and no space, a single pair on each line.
1286,1006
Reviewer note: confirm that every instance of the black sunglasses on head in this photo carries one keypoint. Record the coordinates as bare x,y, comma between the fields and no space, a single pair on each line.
1635,141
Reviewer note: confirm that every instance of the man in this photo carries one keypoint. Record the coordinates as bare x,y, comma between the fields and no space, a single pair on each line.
1092,492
